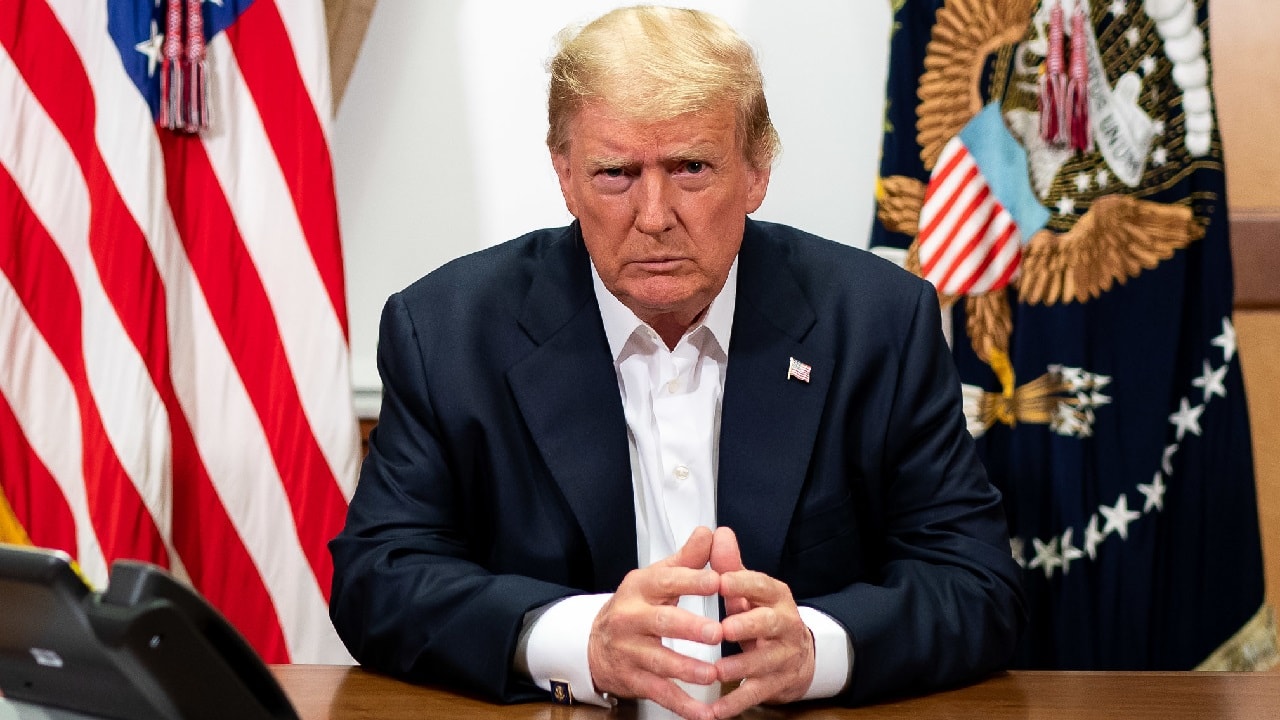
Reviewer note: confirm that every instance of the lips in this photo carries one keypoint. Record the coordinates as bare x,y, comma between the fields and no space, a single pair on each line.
659,265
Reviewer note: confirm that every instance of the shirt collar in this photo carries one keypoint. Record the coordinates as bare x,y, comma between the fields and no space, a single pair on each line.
620,323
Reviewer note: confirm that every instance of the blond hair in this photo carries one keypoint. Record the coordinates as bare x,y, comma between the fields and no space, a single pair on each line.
656,63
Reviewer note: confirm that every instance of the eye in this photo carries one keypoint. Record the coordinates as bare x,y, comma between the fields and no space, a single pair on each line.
693,167
612,172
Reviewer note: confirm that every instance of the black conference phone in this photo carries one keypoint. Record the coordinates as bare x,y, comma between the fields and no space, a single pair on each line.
146,648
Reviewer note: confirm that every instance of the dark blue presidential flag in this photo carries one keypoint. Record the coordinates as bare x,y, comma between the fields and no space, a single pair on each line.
1054,168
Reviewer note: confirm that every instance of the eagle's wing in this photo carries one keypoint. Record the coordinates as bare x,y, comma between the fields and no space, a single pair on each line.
899,201
965,32
1118,238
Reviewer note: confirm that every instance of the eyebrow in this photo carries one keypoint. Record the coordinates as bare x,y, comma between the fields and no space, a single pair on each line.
704,151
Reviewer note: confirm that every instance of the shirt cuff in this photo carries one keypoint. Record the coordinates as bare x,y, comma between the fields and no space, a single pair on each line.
832,654
553,645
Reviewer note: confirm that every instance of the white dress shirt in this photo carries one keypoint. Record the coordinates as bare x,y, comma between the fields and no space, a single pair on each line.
671,399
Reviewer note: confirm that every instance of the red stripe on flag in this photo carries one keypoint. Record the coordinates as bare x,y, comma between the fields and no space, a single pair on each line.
270,70
43,281
242,312
33,494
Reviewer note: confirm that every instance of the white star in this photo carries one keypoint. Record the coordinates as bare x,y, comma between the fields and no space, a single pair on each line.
1069,552
153,48
1018,547
215,2
1132,36
1067,421
1103,177
1227,340
1166,463
1154,493
1118,517
1211,381
1157,127
1066,206
1073,378
1092,537
1118,8
1187,419
1148,65
1047,557
1159,156
1083,181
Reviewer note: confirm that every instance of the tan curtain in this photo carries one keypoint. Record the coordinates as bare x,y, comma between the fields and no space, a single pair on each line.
347,21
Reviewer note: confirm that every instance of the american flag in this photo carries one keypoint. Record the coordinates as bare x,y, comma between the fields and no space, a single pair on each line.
978,209
174,382
798,370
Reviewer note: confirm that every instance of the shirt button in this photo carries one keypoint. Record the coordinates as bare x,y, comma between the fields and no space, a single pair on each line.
681,472
673,386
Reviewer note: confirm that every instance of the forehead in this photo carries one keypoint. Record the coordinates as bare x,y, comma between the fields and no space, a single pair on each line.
599,127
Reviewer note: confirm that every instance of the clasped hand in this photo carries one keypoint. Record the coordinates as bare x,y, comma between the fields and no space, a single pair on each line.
627,658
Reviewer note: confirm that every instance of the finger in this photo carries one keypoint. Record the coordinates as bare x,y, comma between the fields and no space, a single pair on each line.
669,621
765,660
761,623
662,662
727,557
754,587
694,554
666,693
672,697
745,696
666,584
725,554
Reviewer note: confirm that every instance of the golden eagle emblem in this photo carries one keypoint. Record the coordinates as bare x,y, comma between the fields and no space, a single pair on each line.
1103,232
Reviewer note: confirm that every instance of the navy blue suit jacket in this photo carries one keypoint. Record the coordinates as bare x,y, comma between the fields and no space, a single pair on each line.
498,477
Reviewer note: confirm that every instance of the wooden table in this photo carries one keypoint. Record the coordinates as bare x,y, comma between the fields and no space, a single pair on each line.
342,693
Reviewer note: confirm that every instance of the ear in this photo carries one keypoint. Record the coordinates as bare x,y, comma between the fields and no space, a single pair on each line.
757,186
560,161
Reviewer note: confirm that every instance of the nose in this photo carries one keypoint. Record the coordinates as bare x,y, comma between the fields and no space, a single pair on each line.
654,211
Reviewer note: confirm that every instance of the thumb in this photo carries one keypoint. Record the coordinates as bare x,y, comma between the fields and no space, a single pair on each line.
725,555
696,552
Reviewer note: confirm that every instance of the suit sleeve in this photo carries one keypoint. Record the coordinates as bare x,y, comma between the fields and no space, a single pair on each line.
946,606
408,599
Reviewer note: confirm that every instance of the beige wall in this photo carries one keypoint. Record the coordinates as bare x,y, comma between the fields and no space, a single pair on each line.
1246,56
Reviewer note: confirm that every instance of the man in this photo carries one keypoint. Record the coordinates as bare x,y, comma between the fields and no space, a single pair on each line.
566,417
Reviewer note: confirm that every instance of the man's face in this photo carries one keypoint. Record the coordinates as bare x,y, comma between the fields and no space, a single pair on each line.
662,206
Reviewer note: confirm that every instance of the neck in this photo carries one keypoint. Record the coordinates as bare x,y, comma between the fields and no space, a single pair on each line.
672,326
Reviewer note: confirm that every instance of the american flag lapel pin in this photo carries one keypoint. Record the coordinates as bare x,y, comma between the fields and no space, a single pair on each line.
798,370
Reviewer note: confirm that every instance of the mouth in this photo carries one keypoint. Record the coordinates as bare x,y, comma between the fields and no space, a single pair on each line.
658,265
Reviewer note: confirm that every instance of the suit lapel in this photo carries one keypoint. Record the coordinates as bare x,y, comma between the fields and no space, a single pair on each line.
768,422
567,391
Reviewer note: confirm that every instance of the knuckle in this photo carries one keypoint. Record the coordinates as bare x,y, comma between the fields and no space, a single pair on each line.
771,620
662,619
